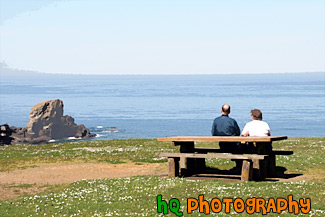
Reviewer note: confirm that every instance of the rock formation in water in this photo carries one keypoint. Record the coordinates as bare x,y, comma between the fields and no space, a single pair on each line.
46,122
5,135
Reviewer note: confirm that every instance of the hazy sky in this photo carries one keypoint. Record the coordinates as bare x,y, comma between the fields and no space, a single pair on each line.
163,37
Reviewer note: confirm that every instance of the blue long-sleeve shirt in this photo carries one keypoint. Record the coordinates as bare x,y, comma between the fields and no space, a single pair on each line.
225,126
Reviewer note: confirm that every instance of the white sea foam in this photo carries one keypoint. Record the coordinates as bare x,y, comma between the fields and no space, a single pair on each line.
71,138
110,131
99,127
52,140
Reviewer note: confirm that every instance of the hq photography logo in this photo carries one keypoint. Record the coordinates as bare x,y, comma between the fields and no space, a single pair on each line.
250,205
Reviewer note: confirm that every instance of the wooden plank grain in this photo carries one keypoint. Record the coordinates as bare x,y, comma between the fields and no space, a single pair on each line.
173,165
221,156
247,171
221,139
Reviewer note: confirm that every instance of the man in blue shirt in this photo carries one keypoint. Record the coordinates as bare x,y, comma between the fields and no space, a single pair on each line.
226,126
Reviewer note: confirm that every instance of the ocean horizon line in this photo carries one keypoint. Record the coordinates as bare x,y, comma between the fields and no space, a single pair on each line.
11,71
22,72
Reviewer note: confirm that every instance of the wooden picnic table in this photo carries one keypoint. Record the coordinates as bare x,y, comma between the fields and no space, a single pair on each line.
187,142
263,161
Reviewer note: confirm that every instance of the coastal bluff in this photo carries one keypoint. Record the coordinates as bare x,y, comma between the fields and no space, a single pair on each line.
46,122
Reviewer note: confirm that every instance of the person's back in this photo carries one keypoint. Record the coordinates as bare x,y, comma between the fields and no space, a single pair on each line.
225,126
256,127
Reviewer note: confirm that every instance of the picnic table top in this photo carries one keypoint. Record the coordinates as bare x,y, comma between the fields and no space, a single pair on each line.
222,138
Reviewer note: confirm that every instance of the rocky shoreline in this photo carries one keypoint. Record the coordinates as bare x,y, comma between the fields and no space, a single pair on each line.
46,122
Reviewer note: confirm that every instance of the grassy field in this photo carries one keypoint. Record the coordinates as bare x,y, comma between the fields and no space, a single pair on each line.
137,196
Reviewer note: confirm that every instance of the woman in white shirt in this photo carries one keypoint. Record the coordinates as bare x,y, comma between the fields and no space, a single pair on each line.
256,127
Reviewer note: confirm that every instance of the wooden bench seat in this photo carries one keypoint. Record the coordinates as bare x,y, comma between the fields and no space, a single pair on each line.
175,158
271,158
219,155
218,150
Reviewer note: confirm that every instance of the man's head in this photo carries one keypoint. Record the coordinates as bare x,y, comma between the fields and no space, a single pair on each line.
225,110
256,114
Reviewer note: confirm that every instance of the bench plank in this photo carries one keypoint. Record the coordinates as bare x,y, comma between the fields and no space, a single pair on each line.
218,150
220,156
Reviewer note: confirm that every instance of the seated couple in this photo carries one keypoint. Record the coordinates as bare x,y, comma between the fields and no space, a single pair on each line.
226,126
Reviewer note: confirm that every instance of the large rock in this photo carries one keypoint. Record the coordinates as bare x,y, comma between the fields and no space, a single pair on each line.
46,122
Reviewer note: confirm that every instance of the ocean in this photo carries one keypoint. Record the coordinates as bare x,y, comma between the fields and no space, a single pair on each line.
151,106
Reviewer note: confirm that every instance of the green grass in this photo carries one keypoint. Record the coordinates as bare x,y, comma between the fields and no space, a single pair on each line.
136,196
21,186
111,151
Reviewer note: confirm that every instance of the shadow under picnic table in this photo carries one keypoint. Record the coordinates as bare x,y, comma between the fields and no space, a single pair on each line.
233,175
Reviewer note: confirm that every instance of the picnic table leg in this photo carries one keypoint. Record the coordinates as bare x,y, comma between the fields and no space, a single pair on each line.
247,171
187,147
263,168
271,168
259,169
200,165
200,162
173,167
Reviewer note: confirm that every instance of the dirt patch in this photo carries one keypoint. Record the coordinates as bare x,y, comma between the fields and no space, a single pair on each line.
37,179
13,191
32,180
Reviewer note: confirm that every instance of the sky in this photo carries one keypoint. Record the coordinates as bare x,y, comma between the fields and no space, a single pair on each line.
163,36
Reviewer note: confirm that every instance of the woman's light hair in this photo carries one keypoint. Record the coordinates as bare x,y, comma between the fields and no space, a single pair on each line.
256,114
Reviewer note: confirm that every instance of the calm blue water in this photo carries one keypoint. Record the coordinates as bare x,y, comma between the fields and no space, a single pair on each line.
157,106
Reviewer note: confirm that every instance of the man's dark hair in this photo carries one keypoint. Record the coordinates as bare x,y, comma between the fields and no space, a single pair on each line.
226,108
256,114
